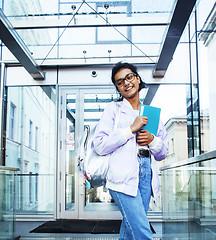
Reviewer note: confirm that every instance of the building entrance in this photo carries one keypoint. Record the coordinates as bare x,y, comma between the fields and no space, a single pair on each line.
78,108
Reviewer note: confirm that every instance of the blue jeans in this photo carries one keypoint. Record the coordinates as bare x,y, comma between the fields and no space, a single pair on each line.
135,224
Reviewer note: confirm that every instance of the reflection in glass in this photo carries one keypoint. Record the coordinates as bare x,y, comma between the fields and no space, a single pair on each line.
189,208
30,146
172,101
7,183
99,23
70,152
97,199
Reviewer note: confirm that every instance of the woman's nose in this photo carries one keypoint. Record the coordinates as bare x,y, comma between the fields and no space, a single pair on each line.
126,82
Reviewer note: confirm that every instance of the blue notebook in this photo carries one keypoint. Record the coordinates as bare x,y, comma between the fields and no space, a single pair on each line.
153,115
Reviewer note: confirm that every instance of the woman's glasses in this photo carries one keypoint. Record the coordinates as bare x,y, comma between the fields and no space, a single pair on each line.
129,77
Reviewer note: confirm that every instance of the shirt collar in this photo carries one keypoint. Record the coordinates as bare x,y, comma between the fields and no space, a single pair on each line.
127,103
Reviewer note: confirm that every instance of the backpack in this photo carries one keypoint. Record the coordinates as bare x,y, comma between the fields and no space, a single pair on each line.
93,166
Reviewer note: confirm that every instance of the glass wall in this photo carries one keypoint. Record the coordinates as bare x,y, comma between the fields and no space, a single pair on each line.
193,106
207,87
7,200
189,199
171,98
30,146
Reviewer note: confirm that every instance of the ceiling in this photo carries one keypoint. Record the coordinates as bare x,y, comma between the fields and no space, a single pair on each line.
62,32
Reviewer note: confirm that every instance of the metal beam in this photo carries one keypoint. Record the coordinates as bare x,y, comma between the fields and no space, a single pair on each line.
2,79
152,89
14,43
120,22
178,22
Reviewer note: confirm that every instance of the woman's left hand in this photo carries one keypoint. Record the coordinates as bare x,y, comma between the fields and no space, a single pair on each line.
144,137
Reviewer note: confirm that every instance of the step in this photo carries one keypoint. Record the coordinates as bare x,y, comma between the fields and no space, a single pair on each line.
75,237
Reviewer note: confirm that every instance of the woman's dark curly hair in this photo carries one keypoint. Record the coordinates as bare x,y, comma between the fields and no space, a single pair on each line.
123,65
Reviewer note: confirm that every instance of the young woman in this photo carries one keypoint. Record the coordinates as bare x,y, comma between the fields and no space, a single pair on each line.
132,176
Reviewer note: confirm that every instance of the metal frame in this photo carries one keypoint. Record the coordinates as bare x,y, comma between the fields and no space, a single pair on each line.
16,45
179,20
197,159
60,176
2,80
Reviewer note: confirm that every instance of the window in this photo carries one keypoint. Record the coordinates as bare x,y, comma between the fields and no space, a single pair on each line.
171,149
30,187
113,35
11,121
36,181
30,133
36,138
31,120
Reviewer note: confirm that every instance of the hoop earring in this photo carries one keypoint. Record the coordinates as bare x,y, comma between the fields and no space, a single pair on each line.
120,98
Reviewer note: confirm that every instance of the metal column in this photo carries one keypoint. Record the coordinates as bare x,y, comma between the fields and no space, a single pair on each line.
2,147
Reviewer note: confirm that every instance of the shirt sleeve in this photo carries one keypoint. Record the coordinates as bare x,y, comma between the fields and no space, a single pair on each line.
106,138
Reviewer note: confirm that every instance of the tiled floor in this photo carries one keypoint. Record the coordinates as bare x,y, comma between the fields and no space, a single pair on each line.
71,237
172,231
23,229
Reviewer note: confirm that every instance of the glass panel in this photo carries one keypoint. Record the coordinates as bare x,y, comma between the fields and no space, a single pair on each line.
189,208
30,146
6,204
207,45
97,199
172,101
123,22
70,152
193,108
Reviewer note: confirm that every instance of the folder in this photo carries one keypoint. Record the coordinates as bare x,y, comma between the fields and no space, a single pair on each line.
153,115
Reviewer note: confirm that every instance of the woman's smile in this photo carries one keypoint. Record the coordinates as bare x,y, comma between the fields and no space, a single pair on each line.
129,88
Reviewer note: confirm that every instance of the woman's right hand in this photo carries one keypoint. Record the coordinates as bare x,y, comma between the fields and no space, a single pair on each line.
139,122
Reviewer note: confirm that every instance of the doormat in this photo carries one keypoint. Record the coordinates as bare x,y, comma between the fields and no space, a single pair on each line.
81,226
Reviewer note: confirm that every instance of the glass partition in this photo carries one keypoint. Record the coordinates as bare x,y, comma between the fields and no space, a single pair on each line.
30,146
7,201
172,101
189,194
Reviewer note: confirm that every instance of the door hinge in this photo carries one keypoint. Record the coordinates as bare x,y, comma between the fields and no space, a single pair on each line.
61,114
60,176
61,144
61,100
59,207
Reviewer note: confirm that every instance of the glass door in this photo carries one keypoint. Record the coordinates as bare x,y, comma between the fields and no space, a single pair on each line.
67,185
79,108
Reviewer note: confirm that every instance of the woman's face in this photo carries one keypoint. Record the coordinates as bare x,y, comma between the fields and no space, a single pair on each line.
127,83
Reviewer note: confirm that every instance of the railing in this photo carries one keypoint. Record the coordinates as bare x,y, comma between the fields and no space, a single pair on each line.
189,198
7,202
34,194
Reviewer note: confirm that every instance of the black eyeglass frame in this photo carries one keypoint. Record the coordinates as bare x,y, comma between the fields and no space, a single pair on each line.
121,81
